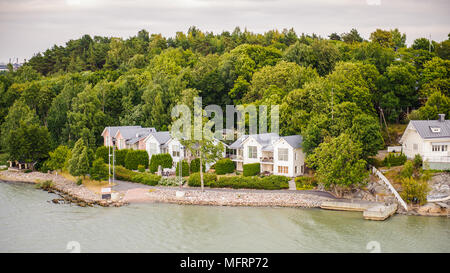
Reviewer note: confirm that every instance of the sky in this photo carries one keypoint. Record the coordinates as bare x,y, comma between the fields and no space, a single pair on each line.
31,26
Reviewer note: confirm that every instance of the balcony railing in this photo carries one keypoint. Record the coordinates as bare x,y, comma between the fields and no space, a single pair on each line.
266,159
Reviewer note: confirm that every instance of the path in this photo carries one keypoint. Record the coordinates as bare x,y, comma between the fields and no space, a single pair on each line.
292,185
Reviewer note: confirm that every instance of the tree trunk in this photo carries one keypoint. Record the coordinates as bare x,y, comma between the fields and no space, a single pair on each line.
201,172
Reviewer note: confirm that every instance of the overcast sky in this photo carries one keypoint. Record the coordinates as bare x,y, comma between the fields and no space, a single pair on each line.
31,26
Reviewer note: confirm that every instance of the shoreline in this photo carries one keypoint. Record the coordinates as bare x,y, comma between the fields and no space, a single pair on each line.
140,193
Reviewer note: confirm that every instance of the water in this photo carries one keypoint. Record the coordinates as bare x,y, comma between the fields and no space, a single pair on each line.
29,222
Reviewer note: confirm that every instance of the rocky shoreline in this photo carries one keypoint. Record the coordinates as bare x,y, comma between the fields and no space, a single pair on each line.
68,190
224,198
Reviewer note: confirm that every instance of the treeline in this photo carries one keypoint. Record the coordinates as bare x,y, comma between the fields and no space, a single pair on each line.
325,86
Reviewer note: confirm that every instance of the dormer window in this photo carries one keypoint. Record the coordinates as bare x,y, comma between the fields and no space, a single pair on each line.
435,129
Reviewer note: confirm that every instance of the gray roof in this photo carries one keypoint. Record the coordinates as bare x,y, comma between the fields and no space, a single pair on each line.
139,134
266,140
114,129
423,127
162,137
295,141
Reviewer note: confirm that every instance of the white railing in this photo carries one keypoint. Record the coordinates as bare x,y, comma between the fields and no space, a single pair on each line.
391,188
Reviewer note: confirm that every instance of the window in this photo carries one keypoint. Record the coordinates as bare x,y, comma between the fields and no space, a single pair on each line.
283,154
436,148
295,169
175,150
415,147
283,169
295,157
252,152
444,148
435,129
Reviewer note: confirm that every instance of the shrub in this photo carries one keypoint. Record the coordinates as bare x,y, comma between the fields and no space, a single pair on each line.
272,182
208,179
163,160
252,169
224,166
99,170
305,182
141,168
134,158
120,156
45,185
414,191
170,181
418,162
407,170
28,171
79,181
184,169
195,165
59,158
102,152
144,178
393,159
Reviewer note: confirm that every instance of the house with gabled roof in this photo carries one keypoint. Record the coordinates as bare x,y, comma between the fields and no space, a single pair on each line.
276,155
430,139
126,137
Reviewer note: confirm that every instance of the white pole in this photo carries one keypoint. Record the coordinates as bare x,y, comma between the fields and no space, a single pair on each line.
109,155
114,162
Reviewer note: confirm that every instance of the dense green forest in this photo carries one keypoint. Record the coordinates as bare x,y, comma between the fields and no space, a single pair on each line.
326,87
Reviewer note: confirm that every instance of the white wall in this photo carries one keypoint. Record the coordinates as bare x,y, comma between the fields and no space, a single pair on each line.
251,142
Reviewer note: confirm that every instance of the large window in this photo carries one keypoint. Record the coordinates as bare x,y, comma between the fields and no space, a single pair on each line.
283,154
283,169
252,152
175,150
436,148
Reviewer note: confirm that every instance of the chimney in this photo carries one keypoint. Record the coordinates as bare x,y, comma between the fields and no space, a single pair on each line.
441,117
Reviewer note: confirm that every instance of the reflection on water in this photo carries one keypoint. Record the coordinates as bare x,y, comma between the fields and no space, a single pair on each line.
29,222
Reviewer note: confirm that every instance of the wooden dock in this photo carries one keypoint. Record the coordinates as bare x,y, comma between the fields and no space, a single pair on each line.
371,210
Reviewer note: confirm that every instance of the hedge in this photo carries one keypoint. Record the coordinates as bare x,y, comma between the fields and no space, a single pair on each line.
134,158
120,155
163,160
144,178
392,160
195,165
208,179
184,169
252,169
224,166
273,182
102,152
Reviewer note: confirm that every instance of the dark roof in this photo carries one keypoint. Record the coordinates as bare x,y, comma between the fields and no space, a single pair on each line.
295,141
423,127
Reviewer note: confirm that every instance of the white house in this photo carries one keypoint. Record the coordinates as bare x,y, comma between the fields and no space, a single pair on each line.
156,143
276,155
430,139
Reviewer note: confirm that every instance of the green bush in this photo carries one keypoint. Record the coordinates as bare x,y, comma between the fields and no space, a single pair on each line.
144,178
252,169
102,152
407,170
45,185
224,166
305,182
273,182
134,158
163,160
184,169
414,191
99,170
120,156
195,165
141,168
418,162
79,181
393,159
208,179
